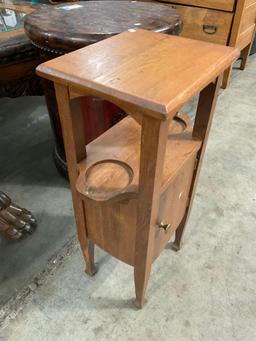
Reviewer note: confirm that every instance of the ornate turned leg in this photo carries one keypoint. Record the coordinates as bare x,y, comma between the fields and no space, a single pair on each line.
15,222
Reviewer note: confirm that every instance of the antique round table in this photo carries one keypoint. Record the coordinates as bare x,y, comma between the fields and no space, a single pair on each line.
63,28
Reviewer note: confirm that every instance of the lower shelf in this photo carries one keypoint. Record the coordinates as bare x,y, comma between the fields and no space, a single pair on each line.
111,168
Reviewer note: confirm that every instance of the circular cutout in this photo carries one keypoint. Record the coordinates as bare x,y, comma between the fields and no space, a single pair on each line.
177,126
106,178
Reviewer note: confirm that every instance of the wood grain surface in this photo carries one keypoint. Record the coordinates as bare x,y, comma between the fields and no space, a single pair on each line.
156,74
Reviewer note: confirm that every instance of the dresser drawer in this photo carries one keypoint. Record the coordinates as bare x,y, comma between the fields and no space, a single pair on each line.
205,24
224,5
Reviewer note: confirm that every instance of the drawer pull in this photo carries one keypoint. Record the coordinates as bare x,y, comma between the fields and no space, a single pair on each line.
210,29
164,226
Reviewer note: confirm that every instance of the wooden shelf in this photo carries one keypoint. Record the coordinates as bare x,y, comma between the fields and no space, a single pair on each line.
111,168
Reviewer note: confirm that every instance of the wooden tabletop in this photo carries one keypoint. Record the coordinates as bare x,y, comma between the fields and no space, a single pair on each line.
67,27
151,70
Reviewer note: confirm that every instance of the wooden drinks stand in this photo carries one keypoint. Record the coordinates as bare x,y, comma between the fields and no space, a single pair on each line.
133,186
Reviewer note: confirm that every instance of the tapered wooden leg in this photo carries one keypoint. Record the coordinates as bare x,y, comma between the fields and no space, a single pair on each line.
153,144
245,55
89,259
202,125
177,243
226,77
141,277
86,245
71,116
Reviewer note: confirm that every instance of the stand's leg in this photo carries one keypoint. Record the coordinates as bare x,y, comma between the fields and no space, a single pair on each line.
74,140
89,259
153,144
86,245
141,276
226,77
245,55
176,245
203,121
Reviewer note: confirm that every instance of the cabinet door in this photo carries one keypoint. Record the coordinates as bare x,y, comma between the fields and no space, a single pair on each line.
205,24
224,5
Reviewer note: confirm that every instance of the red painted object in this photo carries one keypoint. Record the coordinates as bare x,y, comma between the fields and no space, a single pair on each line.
99,116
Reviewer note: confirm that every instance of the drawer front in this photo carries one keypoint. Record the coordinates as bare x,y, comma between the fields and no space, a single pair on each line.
205,24
224,5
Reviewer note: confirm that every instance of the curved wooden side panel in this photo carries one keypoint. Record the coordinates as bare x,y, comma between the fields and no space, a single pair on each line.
112,226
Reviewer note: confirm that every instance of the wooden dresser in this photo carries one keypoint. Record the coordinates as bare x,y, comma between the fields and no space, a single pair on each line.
226,22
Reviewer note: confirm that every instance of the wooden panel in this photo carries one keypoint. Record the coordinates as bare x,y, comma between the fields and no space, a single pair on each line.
245,38
244,24
112,226
150,70
248,18
204,24
225,5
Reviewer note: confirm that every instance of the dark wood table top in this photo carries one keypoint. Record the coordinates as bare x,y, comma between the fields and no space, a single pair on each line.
70,26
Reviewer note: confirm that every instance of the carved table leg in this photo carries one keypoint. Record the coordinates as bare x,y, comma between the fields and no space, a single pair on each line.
15,222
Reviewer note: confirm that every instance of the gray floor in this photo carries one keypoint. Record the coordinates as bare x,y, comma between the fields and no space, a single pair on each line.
28,175
207,291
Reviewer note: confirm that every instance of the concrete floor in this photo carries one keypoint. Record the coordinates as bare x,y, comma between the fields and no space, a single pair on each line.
207,291
28,175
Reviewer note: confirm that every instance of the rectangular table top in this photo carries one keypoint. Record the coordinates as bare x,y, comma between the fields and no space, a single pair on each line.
151,70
